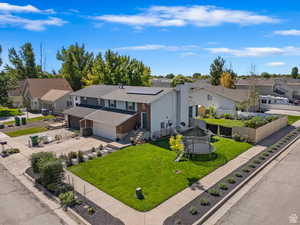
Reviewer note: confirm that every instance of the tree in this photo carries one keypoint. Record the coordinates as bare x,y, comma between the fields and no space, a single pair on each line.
197,75
23,63
265,75
176,144
170,76
76,64
216,70
180,79
227,80
114,69
295,72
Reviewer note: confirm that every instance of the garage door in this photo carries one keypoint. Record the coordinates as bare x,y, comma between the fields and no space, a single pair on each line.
74,122
103,130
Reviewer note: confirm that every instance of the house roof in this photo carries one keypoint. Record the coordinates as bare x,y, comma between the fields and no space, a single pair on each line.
108,117
39,87
137,94
54,94
237,95
95,91
255,81
80,112
114,92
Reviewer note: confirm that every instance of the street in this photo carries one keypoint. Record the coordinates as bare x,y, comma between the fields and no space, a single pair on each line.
20,207
274,200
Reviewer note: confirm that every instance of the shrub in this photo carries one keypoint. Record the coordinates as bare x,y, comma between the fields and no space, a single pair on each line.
238,175
266,154
214,192
227,116
72,155
256,122
231,180
37,157
51,172
193,210
13,151
80,156
101,147
99,154
256,161
246,170
262,158
270,151
93,149
67,199
236,137
5,112
223,186
178,222
204,202
252,166
91,210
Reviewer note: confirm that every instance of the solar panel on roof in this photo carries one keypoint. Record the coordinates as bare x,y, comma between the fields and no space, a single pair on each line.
145,91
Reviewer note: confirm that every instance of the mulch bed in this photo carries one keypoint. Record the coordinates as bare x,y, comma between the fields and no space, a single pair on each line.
99,217
185,216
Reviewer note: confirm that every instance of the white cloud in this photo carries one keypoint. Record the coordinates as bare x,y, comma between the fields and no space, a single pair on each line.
256,51
187,54
276,64
6,7
154,47
29,24
202,16
291,32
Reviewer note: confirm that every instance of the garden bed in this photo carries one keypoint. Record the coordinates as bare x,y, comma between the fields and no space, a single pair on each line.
99,216
200,206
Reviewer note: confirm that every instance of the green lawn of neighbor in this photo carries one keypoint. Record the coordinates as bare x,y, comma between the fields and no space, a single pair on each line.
152,167
26,131
32,119
293,119
224,122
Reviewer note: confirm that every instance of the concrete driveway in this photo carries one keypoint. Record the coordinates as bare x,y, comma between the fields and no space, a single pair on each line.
284,112
274,200
20,207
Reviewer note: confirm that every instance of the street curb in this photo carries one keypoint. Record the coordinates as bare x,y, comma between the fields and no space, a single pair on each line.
242,184
75,216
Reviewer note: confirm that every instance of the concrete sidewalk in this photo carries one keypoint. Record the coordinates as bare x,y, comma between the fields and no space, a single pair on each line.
157,215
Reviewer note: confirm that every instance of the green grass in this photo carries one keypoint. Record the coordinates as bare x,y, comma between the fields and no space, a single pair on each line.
32,119
293,119
5,112
151,166
26,131
224,122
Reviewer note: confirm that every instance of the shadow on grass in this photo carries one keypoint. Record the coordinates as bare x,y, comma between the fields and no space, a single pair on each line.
194,183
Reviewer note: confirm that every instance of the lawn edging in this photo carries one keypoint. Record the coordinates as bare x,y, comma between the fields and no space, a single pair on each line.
243,183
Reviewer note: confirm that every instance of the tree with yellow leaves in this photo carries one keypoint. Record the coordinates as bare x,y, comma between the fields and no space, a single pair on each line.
176,144
227,80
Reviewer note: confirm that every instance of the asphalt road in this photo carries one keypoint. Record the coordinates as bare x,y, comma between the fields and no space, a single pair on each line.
274,200
20,207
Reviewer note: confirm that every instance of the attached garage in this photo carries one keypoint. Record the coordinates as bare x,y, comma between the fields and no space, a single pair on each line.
104,130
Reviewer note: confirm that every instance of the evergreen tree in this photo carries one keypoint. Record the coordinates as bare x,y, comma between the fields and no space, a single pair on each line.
295,72
216,70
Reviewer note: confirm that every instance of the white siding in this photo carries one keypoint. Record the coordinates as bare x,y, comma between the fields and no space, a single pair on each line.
163,110
103,130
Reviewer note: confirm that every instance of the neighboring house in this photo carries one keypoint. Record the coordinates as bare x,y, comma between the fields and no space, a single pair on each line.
56,101
224,100
284,87
35,89
161,82
114,111
15,94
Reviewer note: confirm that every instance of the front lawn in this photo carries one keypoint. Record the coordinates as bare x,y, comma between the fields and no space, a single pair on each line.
151,166
26,131
224,122
30,120
293,119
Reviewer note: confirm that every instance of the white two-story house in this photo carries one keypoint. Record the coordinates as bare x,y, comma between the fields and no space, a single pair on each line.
113,111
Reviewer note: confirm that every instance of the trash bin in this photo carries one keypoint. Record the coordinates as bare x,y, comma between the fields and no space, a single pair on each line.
34,140
17,121
24,120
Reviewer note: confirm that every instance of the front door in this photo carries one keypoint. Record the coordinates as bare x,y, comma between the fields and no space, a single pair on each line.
144,118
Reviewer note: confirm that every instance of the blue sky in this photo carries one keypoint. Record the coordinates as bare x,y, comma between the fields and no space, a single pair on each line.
169,36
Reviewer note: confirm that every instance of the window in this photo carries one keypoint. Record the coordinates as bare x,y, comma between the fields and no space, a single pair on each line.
264,101
130,106
209,97
162,125
112,103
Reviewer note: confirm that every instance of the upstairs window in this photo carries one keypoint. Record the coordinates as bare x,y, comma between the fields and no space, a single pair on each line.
130,106
209,97
112,103
162,125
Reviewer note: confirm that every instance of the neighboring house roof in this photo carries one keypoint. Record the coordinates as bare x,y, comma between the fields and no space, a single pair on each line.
237,95
108,117
115,92
54,94
137,94
95,91
39,87
255,81
17,90
78,111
